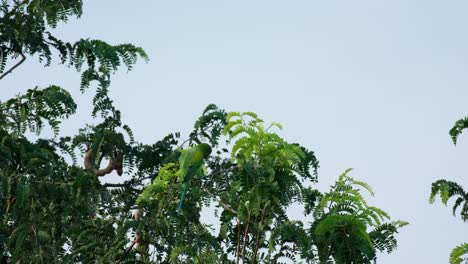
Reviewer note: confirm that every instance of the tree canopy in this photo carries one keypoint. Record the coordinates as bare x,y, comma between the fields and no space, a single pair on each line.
55,210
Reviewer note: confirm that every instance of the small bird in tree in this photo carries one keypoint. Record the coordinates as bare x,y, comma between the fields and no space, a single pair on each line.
190,165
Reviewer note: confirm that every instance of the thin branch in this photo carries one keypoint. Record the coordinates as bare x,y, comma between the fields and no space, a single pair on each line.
122,185
10,202
23,58
238,240
182,144
223,204
258,235
127,251
115,185
245,237
190,139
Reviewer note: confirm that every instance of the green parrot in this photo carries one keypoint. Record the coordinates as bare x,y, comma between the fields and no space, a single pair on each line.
190,165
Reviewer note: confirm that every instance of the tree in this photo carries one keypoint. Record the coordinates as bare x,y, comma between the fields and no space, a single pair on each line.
448,189
54,210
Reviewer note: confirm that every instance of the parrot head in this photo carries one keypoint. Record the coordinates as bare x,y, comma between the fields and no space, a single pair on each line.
205,149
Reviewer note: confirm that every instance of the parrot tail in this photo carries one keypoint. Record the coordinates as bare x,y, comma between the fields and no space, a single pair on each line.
182,196
181,203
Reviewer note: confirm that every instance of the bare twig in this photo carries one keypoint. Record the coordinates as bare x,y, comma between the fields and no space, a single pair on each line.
23,58
189,139
223,204
114,185
127,251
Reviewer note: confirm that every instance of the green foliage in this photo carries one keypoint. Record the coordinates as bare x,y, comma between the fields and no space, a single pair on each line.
254,141
29,111
209,126
252,194
54,211
347,229
253,188
267,178
459,254
287,239
43,198
448,189
26,28
166,176
343,237
458,128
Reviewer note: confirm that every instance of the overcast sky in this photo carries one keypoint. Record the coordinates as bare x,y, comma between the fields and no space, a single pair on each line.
372,85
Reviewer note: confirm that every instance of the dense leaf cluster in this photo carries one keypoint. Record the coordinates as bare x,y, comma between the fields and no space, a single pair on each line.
347,228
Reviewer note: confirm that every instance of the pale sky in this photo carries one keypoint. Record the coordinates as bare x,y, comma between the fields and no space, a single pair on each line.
372,85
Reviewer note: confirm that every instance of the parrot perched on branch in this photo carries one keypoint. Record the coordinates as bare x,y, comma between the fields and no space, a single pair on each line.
190,165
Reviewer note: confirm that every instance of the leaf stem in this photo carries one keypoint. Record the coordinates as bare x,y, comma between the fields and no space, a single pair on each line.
23,58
